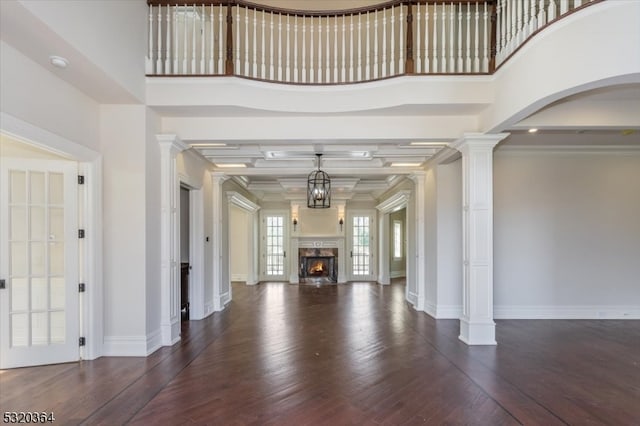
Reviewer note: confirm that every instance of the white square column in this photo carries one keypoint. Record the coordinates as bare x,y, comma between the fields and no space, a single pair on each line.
476,325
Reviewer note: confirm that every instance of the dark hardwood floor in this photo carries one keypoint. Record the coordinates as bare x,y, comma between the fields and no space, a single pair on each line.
347,354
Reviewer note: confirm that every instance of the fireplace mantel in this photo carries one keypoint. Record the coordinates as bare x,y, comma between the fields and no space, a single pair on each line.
324,241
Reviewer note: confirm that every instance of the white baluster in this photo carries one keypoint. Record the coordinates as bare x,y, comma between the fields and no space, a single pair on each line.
193,43
435,38
295,49
254,61
427,61
221,46
185,52
375,45
327,71
263,51
519,25
203,42
452,61
485,40
418,38
577,3
564,6
384,43
367,70
212,41
392,59
335,50
246,42
551,11
287,74
280,47
460,65
304,49
467,64
542,17
271,64
401,41
312,75
176,43
159,46
532,18
476,53
167,58
359,73
149,65
343,64
503,27
443,47
351,49
319,49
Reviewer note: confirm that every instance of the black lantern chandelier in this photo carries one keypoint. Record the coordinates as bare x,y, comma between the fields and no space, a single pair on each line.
318,188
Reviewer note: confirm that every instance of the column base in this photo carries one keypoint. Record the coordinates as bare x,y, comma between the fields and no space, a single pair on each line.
477,333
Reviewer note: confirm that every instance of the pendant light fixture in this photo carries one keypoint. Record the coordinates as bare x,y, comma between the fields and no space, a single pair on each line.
318,188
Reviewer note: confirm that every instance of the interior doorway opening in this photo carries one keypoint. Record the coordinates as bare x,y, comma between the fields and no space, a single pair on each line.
185,264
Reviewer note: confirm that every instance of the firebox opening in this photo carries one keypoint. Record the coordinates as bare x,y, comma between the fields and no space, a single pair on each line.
318,266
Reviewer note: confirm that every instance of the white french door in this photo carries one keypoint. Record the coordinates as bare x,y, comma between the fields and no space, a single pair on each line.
361,244
39,320
274,246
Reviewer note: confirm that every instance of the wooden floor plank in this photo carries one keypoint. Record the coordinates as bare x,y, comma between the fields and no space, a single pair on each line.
347,354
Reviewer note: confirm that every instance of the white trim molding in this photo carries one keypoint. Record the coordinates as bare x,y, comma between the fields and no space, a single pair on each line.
420,275
170,146
240,201
630,312
217,179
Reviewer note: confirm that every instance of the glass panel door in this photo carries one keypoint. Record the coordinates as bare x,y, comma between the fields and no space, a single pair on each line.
361,247
274,247
39,241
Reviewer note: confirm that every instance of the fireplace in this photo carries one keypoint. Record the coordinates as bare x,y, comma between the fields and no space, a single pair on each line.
318,265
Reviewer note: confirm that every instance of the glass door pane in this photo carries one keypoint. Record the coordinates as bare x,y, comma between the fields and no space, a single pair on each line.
275,246
360,248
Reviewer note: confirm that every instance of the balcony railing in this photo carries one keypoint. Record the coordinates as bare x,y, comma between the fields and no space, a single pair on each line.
209,38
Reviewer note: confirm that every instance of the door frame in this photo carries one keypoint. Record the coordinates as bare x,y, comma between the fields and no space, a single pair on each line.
262,243
91,321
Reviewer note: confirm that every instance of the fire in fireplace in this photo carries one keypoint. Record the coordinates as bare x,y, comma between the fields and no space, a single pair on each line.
318,265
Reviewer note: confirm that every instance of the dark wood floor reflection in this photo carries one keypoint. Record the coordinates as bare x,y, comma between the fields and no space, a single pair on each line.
347,354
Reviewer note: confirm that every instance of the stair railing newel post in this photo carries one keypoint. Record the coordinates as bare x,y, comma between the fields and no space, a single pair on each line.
409,64
229,61
494,38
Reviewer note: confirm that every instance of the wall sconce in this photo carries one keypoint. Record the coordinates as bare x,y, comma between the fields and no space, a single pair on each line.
295,223
341,222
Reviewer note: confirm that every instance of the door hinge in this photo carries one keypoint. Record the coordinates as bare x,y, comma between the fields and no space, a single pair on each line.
80,180
80,233
3,284
81,288
82,341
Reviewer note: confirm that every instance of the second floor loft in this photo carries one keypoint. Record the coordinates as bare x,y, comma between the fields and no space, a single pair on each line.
400,37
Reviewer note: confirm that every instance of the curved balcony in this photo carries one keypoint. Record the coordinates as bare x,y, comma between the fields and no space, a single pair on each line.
237,38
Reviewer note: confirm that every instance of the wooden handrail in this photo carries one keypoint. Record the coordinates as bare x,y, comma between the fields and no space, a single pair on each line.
310,13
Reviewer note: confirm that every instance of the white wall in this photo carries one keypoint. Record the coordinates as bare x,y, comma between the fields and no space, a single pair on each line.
317,222
33,94
239,228
567,235
89,27
122,140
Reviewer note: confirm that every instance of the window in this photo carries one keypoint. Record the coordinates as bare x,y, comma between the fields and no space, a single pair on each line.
360,253
397,239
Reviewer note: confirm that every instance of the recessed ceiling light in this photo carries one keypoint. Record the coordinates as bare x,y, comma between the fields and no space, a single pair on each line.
405,164
208,145
231,165
533,130
58,61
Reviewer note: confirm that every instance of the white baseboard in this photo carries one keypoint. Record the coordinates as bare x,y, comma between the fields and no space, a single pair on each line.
125,345
413,298
208,309
154,341
443,311
566,312
239,277
397,274
224,299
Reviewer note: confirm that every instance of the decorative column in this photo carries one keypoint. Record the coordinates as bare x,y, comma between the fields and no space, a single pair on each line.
170,147
383,249
418,179
476,325
217,179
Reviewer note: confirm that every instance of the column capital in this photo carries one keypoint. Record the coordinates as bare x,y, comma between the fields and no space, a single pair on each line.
171,143
218,177
417,176
480,141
